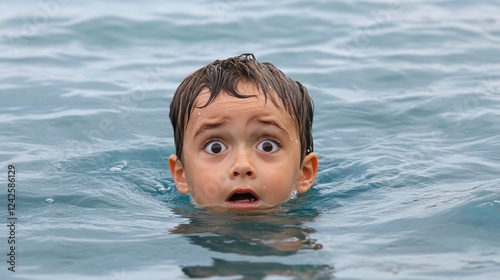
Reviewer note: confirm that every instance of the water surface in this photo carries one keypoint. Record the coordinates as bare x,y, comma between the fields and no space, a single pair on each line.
407,98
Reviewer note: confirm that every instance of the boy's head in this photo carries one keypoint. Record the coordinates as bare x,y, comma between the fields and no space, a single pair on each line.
234,148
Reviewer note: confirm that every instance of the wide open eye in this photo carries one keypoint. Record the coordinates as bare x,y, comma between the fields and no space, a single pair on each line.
215,147
268,146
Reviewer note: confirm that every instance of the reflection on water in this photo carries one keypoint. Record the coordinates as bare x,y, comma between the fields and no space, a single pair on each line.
258,270
274,232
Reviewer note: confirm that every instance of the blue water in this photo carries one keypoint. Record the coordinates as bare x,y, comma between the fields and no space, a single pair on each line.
407,128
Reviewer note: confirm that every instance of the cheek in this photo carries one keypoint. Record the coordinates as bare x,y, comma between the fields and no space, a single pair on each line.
206,185
281,181
280,185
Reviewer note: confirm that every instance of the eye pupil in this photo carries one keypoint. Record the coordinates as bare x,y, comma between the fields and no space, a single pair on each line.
267,146
216,148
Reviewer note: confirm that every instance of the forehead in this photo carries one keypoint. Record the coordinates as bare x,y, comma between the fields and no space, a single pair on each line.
227,106
255,98
246,89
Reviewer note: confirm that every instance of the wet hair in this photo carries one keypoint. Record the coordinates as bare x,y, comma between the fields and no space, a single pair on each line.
225,75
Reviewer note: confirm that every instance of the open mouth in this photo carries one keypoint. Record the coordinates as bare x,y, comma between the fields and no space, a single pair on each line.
242,197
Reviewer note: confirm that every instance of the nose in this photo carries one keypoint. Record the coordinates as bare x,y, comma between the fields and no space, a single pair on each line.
242,165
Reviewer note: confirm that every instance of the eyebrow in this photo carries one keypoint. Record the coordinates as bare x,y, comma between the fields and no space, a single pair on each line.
209,126
272,123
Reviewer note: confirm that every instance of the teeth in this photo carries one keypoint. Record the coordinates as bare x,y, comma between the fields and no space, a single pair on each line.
243,197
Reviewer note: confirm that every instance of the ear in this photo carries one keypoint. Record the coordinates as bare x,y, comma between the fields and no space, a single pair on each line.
178,174
308,172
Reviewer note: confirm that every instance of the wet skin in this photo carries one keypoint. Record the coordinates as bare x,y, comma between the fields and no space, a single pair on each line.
241,154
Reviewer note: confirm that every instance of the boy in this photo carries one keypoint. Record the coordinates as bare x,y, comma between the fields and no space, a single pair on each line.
243,136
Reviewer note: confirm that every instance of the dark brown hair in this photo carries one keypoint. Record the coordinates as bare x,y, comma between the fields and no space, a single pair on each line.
225,75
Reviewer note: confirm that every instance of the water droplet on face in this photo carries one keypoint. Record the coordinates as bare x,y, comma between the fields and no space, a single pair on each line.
49,200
